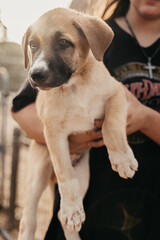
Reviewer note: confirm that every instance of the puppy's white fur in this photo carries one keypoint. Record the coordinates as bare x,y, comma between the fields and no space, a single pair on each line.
40,63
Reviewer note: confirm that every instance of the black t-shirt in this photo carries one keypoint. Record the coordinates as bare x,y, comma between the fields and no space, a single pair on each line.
117,208
127,63
25,97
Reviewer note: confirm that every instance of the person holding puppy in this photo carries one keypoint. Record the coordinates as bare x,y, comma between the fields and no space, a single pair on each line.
118,208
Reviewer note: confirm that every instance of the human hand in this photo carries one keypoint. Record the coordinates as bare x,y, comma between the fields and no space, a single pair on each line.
80,142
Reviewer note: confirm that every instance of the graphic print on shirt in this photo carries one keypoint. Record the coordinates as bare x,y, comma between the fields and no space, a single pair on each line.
136,78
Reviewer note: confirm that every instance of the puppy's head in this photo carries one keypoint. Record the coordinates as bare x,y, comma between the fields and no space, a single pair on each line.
58,43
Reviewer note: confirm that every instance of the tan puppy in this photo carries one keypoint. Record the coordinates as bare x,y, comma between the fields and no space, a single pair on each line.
65,53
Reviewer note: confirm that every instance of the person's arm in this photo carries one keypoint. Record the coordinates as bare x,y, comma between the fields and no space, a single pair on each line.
142,118
28,120
151,127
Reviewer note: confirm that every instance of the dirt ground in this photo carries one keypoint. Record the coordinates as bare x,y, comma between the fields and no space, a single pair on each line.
45,204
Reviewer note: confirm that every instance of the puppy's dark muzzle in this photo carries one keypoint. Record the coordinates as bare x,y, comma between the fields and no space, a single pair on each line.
45,79
39,76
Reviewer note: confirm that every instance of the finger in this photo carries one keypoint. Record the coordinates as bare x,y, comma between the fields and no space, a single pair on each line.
94,135
85,136
96,144
76,138
75,157
98,123
76,148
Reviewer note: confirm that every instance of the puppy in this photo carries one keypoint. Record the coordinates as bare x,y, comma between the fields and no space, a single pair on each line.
64,50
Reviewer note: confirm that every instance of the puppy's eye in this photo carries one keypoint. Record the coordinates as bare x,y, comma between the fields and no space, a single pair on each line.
64,43
33,46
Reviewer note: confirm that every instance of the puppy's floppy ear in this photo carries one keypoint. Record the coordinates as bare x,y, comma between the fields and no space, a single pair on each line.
97,32
25,47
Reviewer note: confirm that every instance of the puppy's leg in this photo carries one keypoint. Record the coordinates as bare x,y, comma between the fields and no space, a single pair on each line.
82,170
40,171
69,187
114,135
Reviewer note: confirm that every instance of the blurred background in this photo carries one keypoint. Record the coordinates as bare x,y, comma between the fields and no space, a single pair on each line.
15,17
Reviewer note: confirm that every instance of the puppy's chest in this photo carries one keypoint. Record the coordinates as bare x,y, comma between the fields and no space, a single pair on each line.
86,108
75,112
80,115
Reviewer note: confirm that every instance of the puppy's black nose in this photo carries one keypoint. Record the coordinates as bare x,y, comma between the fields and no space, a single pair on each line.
39,75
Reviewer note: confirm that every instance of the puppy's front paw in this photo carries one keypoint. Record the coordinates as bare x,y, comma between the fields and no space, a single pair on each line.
125,164
72,216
